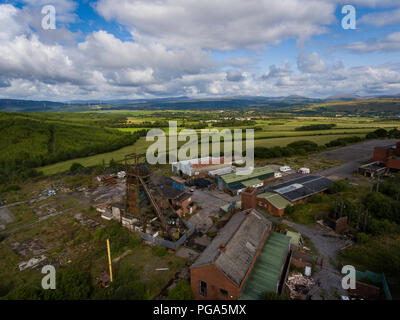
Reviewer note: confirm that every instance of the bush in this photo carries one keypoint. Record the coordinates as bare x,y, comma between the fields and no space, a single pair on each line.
271,295
182,291
10,187
379,227
343,141
290,210
338,186
159,251
362,237
316,127
379,205
305,145
75,167
318,198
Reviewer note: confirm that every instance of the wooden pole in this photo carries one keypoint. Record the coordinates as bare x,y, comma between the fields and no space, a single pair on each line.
109,259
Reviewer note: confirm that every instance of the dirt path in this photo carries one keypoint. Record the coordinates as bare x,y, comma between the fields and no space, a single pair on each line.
328,244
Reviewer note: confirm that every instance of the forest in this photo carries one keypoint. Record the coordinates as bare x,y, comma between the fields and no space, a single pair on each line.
28,142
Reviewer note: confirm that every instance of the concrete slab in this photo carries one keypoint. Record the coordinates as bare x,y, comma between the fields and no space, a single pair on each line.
187,253
6,216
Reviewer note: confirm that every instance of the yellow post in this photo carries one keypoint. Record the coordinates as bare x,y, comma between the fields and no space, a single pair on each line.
109,259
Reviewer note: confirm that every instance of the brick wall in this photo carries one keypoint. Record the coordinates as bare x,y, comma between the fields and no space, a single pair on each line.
249,199
215,280
393,164
380,154
366,291
268,206
341,225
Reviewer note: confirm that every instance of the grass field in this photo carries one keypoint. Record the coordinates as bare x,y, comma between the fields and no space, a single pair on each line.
272,132
141,146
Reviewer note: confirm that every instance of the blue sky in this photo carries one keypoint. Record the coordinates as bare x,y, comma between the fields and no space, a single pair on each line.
157,48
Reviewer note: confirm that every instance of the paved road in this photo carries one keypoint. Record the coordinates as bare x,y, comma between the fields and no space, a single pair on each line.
342,171
354,155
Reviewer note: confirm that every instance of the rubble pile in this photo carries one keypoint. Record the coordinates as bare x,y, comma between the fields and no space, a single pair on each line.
299,285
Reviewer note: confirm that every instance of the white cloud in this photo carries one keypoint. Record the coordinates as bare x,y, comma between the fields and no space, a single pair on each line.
382,19
223,24
173,51
388,44
310,63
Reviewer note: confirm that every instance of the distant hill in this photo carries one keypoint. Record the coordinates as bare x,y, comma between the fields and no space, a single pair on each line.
341,103
344,97
367,107
175,103
29,105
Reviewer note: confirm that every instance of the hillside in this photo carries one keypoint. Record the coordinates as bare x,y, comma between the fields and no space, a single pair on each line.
367,107
29,142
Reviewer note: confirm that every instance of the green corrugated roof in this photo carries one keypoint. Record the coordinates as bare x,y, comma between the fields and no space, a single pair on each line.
233,177
275,199
268,268
251,182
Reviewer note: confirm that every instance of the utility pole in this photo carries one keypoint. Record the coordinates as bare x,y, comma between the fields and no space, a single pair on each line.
109,259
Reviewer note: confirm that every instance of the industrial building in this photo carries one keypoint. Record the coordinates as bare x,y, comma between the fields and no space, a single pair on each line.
235,184
275,199
200,166
152,207
245,260
384,159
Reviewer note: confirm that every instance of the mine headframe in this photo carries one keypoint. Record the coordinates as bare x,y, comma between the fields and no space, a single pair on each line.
137,180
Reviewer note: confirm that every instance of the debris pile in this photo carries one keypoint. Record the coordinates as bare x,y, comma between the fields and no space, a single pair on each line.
31,262
28,248
86,222
299,285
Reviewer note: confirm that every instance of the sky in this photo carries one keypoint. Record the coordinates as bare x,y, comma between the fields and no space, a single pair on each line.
130,49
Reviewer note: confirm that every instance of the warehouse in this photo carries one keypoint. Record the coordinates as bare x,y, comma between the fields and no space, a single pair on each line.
235,184
245,248
277,198
301,189
200,166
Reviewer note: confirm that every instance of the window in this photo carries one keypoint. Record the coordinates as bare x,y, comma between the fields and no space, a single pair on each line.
203,288
223,292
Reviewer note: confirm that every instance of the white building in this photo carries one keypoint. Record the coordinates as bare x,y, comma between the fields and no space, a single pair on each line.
194,167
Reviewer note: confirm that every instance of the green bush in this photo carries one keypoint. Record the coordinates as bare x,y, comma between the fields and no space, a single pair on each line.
182,291
75,167
290,210
318,198
337,186
362,237
379,227
271,295
10,187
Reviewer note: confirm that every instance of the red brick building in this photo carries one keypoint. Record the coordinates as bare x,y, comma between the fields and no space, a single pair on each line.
222,270
390,155
277,198
180,200
184,204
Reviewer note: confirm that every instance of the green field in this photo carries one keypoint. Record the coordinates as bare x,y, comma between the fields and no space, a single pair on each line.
51,142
